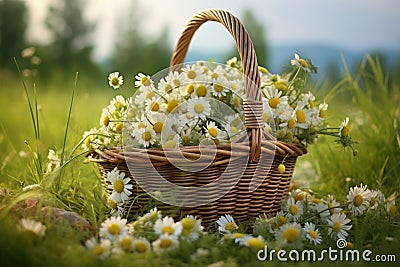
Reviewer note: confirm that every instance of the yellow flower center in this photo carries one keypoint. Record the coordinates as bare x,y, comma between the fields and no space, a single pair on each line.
230,226
281,220
115,81
218,88
236,101
146,136
125,244
311,102
119,127
345,130
154,106
393,210
106,120
234,130
291,123
165,243
190,89
171,106
188,223
358,200
112,203
177,82
281,85
273,102
114,229
213,132
201,90
140,247
263,70
303,63
214,76
331,208
153,216
281,168
372,202
168,229
293,209
98,250
299,197
316,200
255,243
168,88
274,78
158,126
87,142
145,81
191,74
141,125
198,108
291,234
186,139
150,95
170,144
238,235
118,186
313,234
336,227
322,113
301,116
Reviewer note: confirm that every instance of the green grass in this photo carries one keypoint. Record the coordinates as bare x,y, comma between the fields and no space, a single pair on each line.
369,98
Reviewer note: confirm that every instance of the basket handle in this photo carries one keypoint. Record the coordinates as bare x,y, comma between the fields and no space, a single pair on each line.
253,105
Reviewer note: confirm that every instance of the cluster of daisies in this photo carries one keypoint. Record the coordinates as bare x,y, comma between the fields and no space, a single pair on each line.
303,221
202,104
307,220
150,232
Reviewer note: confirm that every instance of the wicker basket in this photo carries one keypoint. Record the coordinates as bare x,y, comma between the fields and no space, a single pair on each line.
242,178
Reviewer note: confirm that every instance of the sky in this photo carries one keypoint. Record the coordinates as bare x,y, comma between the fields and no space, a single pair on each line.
359,25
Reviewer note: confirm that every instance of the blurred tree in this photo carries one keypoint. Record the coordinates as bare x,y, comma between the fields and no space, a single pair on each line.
71,47
135,51
257,34
12,30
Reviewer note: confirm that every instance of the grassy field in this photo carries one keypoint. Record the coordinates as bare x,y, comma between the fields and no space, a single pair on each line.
369,97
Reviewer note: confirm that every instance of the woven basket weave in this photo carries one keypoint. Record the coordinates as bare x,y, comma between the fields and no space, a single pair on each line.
255,156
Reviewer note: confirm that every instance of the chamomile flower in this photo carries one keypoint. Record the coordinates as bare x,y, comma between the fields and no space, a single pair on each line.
213,132
140,245
32,226
158,121
153,104
338,226
252,242
199,107
152,216
191,227
113,228
167,226
309,99
117,208
358,199
293,209
125,243
194,73
301,63
344,128
274,97
119,185
289,235
115,80
328,207
165,243
277,221
226,224
101,249
143,81
323,107
391,208
218,88
312,234
145,136
377,198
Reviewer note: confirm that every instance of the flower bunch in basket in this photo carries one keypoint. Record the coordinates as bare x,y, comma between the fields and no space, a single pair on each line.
203,105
